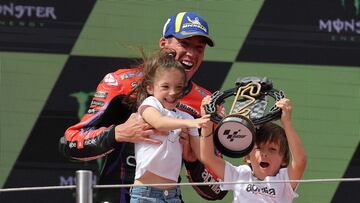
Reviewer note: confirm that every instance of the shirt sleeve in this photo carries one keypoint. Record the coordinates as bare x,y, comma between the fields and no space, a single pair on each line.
150,101
283,173
233,174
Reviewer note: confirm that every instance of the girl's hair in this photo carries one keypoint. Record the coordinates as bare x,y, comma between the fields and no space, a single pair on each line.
273,133
163,60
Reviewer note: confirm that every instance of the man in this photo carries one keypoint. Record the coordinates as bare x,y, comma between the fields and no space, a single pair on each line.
109,128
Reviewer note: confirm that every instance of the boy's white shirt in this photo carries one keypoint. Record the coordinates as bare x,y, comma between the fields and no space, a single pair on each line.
165,159
259,192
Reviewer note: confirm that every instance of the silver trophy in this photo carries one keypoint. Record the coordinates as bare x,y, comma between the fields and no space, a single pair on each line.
234,135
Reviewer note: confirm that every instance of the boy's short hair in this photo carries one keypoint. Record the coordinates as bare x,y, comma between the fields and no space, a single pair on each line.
273,133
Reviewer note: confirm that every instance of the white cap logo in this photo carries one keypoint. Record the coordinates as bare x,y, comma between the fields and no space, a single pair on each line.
110,80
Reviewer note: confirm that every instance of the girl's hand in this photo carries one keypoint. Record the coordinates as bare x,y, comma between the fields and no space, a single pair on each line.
202,122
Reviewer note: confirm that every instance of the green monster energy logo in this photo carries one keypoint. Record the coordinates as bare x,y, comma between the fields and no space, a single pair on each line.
356,5
82,98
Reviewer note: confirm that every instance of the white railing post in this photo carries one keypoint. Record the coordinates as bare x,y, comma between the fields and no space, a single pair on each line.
84,187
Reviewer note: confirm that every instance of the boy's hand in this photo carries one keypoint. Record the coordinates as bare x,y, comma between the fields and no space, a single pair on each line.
208,125
206,100
286,108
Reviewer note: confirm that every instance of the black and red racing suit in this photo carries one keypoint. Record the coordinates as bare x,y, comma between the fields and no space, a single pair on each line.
94,136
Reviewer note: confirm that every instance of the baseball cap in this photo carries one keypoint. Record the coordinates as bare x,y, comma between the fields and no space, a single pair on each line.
187,24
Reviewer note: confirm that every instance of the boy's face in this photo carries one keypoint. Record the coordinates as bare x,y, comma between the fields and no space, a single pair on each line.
266,159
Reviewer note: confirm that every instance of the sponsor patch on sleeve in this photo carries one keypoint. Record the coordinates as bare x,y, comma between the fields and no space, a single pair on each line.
92,111
131,75
100,94
97,103
110,80
201,91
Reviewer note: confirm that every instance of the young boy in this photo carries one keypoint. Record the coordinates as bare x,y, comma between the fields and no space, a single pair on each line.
268,161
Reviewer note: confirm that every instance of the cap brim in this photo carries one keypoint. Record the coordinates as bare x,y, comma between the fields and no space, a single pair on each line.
207,38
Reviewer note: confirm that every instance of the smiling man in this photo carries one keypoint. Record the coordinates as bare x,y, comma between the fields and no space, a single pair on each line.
113,128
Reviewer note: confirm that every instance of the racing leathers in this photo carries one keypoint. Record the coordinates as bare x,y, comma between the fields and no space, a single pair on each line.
94,137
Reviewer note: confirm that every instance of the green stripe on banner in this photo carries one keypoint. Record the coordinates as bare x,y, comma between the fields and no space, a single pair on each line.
26,81
115,29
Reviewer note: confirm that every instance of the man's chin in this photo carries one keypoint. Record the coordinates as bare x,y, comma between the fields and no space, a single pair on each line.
187,68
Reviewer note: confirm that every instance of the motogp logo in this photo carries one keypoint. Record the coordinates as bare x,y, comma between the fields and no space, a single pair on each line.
231,136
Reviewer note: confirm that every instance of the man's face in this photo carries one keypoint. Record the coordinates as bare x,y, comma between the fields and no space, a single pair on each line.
189,51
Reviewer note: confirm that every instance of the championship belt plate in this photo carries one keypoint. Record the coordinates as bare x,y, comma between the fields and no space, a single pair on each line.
234,135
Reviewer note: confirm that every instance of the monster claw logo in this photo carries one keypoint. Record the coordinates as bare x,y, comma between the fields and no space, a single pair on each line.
344,28
231,136
356,4
82,99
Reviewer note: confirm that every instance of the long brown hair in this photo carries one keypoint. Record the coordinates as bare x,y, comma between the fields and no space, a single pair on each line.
162,60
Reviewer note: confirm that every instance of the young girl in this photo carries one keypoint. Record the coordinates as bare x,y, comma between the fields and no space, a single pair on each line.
158,94
268,161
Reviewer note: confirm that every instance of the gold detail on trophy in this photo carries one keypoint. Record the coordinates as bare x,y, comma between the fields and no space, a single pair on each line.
248,93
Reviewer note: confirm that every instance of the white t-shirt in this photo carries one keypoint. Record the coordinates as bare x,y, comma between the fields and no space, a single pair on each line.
165,159
263,192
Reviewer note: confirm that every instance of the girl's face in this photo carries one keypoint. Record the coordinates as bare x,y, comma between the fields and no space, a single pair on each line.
168,85
265,160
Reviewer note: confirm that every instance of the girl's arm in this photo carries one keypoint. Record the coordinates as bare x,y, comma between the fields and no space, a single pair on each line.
165,123
297,165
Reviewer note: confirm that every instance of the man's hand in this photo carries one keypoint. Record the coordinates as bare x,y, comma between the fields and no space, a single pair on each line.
134,130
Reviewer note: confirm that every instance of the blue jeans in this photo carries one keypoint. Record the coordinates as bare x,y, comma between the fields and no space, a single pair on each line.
142,194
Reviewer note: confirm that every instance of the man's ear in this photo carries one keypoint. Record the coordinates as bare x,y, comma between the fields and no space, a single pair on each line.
162,42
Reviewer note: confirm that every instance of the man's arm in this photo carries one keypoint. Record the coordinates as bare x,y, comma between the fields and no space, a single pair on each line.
94,135
105,125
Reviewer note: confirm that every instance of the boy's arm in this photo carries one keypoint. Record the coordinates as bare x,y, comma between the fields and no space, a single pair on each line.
207,155
195,141
297,165
197,172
